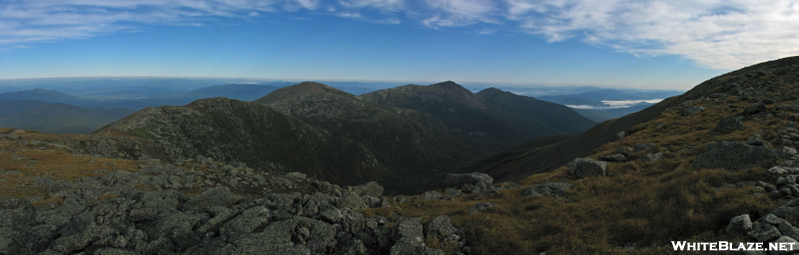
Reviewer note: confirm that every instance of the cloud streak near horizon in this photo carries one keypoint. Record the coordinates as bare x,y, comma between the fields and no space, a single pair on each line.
720,34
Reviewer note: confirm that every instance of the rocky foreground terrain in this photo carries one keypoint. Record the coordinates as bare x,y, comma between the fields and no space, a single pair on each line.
152,211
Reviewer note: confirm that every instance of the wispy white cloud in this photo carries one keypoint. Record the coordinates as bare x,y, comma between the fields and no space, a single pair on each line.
25,21
719,34
723,34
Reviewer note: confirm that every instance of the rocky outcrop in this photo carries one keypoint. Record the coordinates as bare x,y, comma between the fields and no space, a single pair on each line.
586,167
481,207
693,110
615,157
769,228
555,189
108,215
727,125
475,183
230,130
735,156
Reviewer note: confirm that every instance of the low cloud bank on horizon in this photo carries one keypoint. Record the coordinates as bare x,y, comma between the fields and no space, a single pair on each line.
719,34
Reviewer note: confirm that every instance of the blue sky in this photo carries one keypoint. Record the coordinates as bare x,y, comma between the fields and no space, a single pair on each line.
644,44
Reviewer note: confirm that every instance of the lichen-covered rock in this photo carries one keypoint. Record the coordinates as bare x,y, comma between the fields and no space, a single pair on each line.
727,125
652,157
166,221
642,147
351,200
555,189
789,243
248,221
764,232
481,207
735,156
409,230
740,223
453,192
439,227
693,110
586,167
615,157
459,180
431,195
372,189
218,196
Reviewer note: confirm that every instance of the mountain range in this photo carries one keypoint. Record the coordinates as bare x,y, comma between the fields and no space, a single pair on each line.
56,117
507,120
221,175
351,135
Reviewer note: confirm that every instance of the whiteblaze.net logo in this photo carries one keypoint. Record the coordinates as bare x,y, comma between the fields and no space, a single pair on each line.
729,246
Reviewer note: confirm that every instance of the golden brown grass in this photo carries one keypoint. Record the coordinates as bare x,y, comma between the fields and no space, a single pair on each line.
645,205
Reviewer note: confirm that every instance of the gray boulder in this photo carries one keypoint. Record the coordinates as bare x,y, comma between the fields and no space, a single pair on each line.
642,147
755,108
757,140
586,167
616,157
217,196
409,230
735,156
555,189
351,200
740,223
371,189
405,248
453,192
247,221
481,207
693,110
764,232
728,125
788,230
440,227
458,180
431,195
786,242
652,157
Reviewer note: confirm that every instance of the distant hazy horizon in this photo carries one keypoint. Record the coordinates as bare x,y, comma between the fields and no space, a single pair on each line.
190,83
667,45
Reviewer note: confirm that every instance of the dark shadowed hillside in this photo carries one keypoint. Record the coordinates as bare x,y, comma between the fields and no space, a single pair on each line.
552,114
410,143
470,114
231,130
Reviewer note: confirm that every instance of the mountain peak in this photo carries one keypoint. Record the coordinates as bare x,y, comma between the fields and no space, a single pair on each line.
302,89
449,85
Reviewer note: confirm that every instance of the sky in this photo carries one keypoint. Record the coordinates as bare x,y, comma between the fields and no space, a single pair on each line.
618,43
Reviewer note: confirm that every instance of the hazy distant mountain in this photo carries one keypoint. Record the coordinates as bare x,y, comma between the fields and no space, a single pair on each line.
244,92
412,144
595,97
615,94
43,95
56,117
52,96
472,115
572,100
600,115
